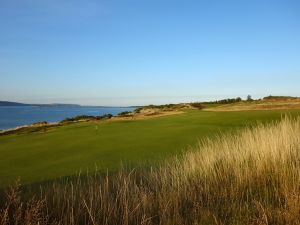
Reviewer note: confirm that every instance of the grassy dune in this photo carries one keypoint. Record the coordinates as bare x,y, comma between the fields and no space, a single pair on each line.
65,150
268,103
248,178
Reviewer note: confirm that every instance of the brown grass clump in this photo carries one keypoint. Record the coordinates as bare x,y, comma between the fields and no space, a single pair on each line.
249,178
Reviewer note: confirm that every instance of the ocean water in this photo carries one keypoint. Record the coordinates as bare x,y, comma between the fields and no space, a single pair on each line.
13,116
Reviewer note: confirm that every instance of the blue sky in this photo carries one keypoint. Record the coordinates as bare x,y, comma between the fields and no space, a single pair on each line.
133,52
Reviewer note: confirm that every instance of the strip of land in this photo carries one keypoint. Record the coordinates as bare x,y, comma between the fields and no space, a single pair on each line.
106,144
267,103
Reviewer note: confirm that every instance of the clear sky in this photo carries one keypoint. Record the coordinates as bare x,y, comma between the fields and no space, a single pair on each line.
134,52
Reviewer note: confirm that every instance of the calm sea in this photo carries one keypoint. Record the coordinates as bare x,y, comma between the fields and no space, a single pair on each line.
13,116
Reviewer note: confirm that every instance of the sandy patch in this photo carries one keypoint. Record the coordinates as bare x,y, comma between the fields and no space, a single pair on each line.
147,114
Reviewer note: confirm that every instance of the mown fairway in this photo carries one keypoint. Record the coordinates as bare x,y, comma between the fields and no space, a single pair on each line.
68,149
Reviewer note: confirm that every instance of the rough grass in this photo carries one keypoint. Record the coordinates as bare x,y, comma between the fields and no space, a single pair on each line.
249,178
268,103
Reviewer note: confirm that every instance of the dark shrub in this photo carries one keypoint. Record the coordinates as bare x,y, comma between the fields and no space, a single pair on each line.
106,116
138,110
67,120
197,105
124,114
40,123
249,98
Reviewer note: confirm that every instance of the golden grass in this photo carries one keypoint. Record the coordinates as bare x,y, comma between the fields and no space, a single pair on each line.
258,105
249,178
146,114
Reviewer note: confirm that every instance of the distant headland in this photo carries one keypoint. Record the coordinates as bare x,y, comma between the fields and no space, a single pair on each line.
8,103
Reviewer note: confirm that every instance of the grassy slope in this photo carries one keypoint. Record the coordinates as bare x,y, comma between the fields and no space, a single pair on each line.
65,150
273,103
249,178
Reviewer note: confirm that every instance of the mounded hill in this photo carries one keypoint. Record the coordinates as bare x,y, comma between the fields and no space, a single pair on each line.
267,103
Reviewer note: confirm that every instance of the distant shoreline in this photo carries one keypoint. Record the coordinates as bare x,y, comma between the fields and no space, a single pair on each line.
8,103
12,117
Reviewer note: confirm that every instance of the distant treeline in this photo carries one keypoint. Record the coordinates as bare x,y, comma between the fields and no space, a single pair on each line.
198,105
162,107
224,101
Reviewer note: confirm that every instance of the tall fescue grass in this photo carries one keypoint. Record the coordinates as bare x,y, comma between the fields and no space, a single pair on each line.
249,178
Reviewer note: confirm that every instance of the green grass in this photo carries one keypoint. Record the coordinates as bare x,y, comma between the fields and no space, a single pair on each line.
65,150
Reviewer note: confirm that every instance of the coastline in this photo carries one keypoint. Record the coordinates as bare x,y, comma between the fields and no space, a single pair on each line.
20,117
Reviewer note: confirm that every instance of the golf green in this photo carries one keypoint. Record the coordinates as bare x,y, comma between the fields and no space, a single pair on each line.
65,150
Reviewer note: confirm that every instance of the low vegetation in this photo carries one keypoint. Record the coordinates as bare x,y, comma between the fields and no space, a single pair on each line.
249,178
43,126
280,98
267,103
197,105
224,101
40,123
36,127
157,108
125,114
86,118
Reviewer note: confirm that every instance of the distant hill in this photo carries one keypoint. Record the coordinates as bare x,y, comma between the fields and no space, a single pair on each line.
267,103
57,105
7,103
280,98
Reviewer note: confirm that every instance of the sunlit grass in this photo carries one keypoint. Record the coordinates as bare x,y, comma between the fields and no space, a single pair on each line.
66,150
248,178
